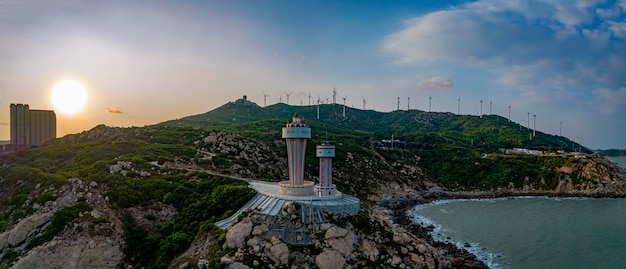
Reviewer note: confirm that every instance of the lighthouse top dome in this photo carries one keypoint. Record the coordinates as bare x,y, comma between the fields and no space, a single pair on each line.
296,121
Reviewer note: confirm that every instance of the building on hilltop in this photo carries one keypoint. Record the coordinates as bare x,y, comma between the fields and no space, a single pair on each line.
31,127
315,200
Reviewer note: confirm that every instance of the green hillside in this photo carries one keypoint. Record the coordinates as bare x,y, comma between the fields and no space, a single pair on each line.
415,127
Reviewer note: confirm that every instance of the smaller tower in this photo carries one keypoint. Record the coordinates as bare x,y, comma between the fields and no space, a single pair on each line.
325,152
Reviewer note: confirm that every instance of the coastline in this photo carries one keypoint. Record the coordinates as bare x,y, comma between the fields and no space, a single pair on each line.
460,257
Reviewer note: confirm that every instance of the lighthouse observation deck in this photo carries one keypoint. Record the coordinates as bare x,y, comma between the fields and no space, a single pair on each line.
296,132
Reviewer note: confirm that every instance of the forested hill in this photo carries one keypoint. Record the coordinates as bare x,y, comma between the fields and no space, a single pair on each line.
415,126
612,152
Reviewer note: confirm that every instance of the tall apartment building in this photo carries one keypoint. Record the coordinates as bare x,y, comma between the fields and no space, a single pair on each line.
31,127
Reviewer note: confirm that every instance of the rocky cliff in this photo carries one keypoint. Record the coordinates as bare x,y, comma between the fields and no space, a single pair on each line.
90,232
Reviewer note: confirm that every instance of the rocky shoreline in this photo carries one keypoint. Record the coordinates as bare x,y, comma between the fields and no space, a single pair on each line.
459,257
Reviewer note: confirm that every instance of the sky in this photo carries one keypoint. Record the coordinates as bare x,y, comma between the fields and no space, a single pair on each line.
145,62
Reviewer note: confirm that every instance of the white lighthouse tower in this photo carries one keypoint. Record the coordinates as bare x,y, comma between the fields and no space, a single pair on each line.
296,135
325,152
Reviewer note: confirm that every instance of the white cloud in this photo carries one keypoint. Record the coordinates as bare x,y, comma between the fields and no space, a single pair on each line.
540,44
434,84
611,101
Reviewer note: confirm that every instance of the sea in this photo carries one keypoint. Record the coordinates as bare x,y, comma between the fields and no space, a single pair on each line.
533,232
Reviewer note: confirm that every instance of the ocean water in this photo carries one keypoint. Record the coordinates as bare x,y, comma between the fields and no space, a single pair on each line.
533,232
619,161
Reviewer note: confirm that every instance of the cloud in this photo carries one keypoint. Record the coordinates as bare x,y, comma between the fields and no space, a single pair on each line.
114,111
530,44
611,101
434,84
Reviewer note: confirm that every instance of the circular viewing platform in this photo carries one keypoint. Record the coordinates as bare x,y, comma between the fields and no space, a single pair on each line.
306,189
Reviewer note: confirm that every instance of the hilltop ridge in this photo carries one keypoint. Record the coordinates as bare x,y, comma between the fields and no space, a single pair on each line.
414,126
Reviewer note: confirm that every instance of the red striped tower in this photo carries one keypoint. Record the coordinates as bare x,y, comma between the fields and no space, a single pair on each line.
296,135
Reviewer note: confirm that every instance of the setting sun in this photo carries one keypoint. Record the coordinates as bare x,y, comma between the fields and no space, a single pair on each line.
69,97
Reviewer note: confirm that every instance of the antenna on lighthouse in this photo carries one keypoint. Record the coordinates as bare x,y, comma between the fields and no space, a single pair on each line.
344,105
265,99
288,94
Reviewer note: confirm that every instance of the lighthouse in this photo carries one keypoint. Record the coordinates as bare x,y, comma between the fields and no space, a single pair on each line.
296,135
325,152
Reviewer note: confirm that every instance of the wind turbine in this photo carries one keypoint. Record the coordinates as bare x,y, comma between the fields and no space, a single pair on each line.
334,96
528,123
288,94
344,105
318,106
309,98
430,98
490,101
481,108
509,113
459,105
534,124
398,102
408,102
364,102
265,99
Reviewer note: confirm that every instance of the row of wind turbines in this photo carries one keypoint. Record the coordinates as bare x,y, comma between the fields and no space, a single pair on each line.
408,106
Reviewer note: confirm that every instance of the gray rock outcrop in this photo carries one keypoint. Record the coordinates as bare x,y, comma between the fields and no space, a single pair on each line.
238,233
25,228
330,259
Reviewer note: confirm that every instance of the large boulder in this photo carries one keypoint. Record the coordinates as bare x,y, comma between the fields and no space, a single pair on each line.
80,252
26,228
370,250
279,253
238,233
330,259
